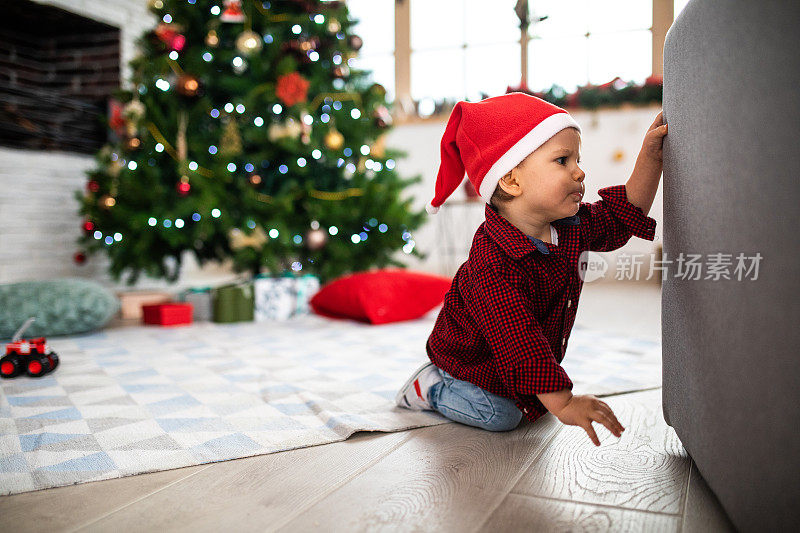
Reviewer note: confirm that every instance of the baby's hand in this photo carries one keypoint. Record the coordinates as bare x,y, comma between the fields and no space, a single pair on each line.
654,140
582,409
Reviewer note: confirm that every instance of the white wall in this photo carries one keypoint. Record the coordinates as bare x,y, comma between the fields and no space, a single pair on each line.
39,222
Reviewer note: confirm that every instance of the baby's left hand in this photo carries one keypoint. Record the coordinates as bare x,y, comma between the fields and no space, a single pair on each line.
653,140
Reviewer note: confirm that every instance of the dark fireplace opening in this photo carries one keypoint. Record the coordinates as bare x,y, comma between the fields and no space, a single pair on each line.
57,72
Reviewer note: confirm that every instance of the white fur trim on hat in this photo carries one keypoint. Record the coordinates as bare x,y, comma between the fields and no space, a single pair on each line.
431,209
527,144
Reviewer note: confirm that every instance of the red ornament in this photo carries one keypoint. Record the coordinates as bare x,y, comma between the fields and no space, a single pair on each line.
170,37
88,226
233,12
117,120
92,186
292,88
79,258
184,188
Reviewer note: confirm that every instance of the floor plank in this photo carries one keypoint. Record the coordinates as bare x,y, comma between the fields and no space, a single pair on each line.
704,513
255,493
531,514
446,478
66,508
645,469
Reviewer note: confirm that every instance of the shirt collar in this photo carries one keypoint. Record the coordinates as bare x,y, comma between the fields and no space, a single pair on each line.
511,240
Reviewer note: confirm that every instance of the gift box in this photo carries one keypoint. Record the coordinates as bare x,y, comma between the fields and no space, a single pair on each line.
131,302
281,297
232,302
167,314
200,298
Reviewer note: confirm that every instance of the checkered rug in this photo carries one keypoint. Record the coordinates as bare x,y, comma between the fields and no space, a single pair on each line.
131,400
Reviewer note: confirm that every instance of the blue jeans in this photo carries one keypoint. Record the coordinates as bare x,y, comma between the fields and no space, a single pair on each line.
469,404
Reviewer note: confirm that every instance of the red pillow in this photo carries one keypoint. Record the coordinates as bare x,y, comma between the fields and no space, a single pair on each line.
381,296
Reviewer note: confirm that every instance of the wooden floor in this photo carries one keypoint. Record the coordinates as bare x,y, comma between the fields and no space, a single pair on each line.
542,476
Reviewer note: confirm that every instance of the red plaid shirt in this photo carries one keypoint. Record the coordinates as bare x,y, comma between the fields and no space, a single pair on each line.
507,316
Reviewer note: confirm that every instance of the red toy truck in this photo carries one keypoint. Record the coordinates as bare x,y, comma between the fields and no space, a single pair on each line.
32,356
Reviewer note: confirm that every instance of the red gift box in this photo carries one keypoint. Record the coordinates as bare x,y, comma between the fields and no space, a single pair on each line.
168,314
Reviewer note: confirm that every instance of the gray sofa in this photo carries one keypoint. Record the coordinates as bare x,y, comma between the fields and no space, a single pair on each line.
731,356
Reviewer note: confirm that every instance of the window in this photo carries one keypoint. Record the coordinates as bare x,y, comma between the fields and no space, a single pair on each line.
462,48
376,28
582,42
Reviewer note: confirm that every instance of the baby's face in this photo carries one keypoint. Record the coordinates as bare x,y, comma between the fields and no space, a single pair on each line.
550,177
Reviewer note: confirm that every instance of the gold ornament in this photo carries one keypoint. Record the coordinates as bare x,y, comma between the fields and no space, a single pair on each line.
316,238
239,239
212,39
334,139
132,144
618,156
231,142
334,26
106,201
249,42
255,179
188,85
155,4
291,128
379,148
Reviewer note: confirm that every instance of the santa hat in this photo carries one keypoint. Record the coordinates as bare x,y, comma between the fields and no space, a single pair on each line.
489,138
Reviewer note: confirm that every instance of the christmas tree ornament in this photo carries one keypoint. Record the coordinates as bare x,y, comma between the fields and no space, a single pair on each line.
316,239
116,119
231,142
183,185
170,35
255,179
132,143
290,128
378,148
307,44
334,26
106,201
155,4
238,239
341,71
378,90
233,12
79,258
188,85
133,111
212,39
88,226
92,186
292,88
618,155
115,167
249,42
355,42
382,116
334,140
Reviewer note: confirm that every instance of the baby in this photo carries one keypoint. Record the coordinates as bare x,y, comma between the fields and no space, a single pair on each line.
498,341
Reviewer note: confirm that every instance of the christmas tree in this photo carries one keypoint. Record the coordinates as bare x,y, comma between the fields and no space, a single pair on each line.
247,134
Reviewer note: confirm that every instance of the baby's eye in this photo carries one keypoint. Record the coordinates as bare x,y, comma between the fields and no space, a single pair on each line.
565,157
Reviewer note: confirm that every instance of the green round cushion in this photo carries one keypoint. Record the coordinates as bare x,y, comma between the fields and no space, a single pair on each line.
61,306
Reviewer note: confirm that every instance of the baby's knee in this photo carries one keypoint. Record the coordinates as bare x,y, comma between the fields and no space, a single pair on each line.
504,420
